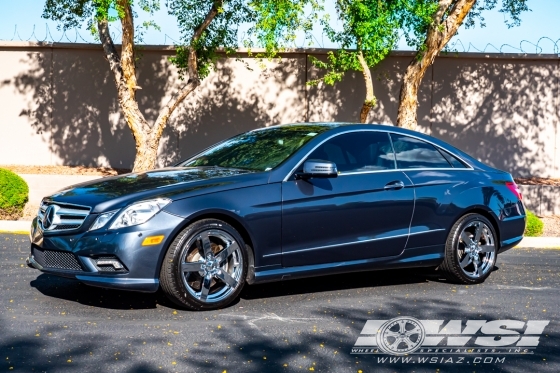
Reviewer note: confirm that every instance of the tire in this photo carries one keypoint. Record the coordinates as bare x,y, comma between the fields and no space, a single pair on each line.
469,260
205,267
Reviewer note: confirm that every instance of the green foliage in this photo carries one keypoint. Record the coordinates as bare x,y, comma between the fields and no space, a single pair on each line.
534,227
416,16
221,33
74,13
273,24
277,22
13,195
370,27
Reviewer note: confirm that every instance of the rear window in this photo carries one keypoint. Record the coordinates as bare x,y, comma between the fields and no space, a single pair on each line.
455,162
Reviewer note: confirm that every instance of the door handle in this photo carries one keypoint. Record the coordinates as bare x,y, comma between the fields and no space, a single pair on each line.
394,185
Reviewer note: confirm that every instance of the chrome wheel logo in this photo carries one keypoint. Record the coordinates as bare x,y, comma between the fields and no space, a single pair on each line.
401,336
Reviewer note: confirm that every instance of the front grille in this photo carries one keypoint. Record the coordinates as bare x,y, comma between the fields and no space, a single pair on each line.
63,227
57,259
61,217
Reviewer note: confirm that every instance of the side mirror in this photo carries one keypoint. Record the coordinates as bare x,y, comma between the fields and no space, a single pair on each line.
316,168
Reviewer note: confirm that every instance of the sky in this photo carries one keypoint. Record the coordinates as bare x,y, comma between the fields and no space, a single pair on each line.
20,20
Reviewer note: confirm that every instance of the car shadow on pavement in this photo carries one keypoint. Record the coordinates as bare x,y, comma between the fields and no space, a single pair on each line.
73,290
344,281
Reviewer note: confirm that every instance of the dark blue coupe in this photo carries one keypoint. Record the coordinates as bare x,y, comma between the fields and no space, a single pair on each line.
281,203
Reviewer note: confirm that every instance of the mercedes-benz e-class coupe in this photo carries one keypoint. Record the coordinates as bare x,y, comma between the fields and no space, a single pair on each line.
281,203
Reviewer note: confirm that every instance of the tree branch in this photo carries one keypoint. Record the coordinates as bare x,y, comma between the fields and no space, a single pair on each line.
456,17
369,102
170,107
127,53
194,80
111,53
193,65
127,102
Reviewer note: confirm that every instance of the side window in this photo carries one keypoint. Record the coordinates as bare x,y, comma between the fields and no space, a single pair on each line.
414,153
358,152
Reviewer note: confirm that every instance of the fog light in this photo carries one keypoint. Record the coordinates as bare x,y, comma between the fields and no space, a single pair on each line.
152,240
109,262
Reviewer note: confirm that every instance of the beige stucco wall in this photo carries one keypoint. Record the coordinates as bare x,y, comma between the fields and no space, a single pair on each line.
59,104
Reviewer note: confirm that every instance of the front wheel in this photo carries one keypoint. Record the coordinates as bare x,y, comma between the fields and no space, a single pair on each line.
470,250
205,267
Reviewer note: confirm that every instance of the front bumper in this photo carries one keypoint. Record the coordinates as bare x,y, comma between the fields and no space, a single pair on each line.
77,254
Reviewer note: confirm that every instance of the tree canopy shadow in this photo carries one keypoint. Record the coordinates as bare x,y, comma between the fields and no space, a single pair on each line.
501,112
69,99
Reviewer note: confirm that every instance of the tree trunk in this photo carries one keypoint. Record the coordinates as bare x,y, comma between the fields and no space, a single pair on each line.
146,155
369,102
439,34
123,67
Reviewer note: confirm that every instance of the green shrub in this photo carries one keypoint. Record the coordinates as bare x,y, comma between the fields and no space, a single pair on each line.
13,195
534,227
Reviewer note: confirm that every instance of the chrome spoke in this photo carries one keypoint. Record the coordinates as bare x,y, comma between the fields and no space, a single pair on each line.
226,278
390,333
402,326
407,341
226,252
191,266
475,273
416,330
487,248
466,238
205,288
478,233
466,261
206,245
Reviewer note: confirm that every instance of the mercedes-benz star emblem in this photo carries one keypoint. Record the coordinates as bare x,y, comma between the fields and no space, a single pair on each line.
48,218
401,336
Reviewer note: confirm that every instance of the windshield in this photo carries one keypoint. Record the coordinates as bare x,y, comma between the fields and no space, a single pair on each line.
259,150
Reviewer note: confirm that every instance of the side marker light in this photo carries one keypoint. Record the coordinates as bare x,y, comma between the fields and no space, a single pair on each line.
152,240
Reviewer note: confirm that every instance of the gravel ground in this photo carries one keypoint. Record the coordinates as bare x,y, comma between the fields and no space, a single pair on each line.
551,226
65,170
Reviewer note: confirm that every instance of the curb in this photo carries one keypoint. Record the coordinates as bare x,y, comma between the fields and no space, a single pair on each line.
539,243
23,226
15,226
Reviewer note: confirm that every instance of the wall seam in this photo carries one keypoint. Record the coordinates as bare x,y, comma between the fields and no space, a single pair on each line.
556,134
306,87
51,106
432,99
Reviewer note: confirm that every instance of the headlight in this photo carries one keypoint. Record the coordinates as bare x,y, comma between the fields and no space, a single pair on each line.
102,220
139,213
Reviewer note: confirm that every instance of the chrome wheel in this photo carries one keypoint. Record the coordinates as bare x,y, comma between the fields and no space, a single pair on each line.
476,249
211,265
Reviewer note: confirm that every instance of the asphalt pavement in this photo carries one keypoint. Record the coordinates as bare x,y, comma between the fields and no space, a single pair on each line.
51,324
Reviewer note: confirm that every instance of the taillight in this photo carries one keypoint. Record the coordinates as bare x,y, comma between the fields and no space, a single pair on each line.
514,188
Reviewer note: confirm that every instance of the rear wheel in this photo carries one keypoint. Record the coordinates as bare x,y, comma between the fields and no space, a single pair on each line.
205,267
471,250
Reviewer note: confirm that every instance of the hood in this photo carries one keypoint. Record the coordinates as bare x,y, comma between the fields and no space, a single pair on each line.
115,192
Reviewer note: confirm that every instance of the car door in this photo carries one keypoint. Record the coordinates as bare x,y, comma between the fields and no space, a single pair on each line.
437,177
363,213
